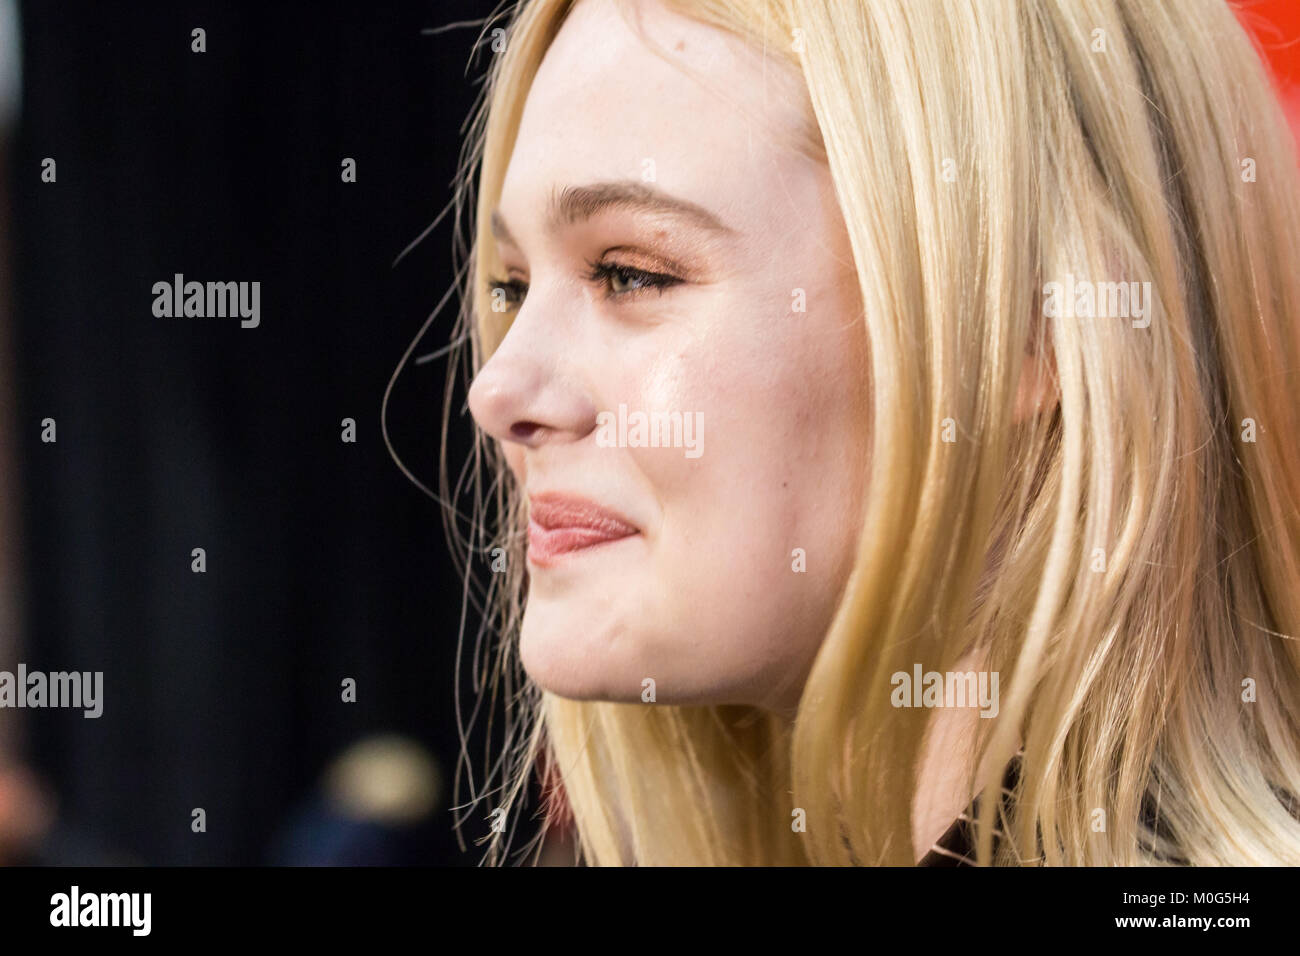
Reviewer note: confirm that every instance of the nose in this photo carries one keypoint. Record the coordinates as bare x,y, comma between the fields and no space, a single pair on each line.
529,391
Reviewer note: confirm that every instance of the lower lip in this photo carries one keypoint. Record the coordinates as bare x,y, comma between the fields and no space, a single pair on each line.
546,546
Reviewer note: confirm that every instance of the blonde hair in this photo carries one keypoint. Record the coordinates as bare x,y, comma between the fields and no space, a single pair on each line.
1128,560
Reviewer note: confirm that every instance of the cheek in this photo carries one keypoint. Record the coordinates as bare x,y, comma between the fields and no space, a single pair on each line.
780,397
758,532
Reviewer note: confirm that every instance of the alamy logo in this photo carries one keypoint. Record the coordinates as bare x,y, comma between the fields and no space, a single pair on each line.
651,430
209,300
1082,299
56,689
75,908
949,689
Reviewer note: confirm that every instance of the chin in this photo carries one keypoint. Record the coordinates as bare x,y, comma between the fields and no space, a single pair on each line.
603,665
573,667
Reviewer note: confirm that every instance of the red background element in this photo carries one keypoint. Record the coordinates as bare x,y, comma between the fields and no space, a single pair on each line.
1276,25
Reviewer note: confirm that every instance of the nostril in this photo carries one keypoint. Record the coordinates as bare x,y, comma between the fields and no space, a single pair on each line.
525,431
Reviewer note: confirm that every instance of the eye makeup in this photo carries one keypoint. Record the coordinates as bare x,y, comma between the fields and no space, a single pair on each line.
619,281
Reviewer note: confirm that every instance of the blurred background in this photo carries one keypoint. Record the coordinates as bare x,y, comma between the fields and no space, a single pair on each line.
223,690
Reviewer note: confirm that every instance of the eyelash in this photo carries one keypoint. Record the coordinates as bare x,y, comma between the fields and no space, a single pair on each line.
602,273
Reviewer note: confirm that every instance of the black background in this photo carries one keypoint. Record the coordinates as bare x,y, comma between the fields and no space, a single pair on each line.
222,690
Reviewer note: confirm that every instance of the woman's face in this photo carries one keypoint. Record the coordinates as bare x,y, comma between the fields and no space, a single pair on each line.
682,394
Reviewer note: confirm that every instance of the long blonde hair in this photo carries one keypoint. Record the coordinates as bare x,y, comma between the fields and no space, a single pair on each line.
1128,559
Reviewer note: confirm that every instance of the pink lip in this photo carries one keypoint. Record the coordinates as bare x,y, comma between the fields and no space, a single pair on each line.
561,524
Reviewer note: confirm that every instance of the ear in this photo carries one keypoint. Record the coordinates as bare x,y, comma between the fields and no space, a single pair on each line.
1038,389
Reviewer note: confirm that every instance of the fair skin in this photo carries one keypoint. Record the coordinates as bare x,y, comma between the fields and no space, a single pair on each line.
702,599
687,577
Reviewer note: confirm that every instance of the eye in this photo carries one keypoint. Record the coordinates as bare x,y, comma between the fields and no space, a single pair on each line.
506,294
619,282
627,282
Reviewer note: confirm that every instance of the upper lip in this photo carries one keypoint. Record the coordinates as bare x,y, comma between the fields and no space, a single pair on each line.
551,510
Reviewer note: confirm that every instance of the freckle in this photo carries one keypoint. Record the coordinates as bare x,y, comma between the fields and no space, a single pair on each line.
681,45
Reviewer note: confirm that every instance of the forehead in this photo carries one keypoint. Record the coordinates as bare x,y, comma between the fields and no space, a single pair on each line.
649,94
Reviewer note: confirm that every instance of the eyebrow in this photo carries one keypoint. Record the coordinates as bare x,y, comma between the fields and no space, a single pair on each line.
574,204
